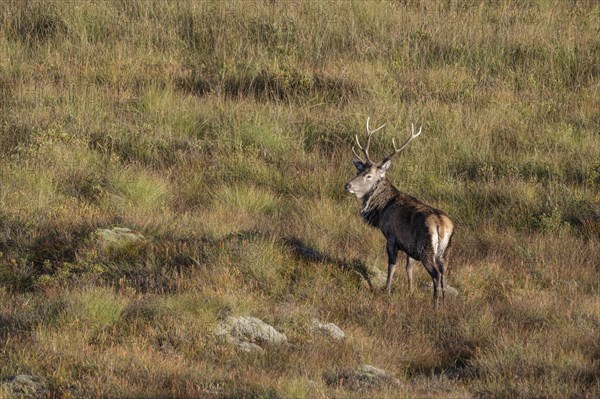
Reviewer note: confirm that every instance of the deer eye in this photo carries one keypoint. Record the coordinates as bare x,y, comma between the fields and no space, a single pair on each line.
369,177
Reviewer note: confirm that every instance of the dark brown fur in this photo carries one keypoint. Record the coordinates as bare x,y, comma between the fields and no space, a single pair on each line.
421,231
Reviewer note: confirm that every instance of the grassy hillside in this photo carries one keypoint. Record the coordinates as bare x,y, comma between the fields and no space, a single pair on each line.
221,131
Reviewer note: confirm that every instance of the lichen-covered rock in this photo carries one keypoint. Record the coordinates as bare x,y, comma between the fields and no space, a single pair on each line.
328,329
249,333
25,386
364,376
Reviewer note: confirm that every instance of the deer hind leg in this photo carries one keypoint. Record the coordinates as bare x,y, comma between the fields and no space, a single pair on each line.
410,263
392,252
430,266
442,269
440,260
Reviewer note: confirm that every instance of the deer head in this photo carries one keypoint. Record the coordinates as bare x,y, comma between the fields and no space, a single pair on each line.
370,173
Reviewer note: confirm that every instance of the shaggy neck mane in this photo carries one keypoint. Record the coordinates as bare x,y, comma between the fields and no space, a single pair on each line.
377,200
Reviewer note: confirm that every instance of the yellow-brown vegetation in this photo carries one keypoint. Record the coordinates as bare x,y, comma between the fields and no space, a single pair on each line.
221,131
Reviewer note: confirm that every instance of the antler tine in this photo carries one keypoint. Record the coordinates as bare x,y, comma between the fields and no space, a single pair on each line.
356,155
369,134
411,138
365,150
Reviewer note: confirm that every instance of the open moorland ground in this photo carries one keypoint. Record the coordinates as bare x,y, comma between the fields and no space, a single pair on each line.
221,132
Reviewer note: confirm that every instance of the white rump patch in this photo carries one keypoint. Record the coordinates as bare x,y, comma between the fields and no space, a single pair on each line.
444,242
435,242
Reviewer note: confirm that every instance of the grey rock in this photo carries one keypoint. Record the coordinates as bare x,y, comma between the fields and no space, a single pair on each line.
372,375
329,329
248,333
447,290
25,386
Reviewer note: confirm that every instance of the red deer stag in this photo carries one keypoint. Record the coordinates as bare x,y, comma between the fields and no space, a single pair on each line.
421,231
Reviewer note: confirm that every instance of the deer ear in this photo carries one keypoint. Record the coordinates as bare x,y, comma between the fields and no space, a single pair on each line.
385,165
359,165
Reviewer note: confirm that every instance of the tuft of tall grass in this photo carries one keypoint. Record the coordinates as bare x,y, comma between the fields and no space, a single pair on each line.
247,199
140,190
96,308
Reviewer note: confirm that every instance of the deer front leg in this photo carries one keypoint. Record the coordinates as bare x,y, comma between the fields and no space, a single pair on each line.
410,263
392,252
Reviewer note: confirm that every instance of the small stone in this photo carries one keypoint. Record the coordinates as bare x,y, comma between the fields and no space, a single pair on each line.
376,278
329,329
117,237
364,376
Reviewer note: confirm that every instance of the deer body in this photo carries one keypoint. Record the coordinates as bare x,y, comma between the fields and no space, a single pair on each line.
419,230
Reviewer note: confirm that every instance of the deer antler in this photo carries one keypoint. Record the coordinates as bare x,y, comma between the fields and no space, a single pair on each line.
366,150
397,150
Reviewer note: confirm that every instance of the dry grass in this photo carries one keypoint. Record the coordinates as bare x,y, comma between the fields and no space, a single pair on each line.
222,130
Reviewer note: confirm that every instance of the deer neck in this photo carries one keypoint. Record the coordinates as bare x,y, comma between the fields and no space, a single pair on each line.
382,194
